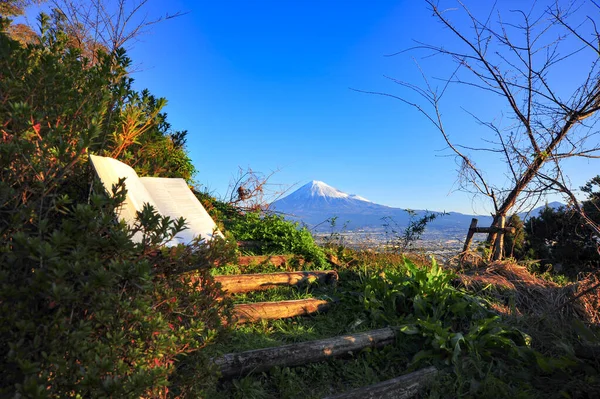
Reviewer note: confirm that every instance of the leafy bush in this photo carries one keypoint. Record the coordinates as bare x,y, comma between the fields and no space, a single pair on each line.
559,237
274,234
514,243
562,240
84,311
143,138
423,293
454,328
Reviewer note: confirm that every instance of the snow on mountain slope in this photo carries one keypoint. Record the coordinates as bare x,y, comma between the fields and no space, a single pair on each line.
316,202
319,196
321,189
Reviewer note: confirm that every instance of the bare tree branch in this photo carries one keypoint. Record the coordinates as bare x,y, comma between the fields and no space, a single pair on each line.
108,25
516,60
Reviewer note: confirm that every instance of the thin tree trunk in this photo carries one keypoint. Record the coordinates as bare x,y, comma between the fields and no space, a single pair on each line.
499,241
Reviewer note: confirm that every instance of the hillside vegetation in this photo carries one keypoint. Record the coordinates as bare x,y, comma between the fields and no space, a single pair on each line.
86,312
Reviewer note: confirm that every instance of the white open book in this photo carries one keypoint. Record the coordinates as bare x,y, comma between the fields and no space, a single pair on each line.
169,196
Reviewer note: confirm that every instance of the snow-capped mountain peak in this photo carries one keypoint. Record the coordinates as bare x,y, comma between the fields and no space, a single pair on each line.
318,188
319,196
316,203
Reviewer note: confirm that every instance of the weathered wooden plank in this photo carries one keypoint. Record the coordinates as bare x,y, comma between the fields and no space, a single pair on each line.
275,260
256,282
258,360
404,387
250,312
470,234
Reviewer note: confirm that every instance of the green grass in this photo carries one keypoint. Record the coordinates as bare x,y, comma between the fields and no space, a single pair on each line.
319,379
478,355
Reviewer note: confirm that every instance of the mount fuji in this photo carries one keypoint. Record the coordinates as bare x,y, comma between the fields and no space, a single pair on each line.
317,202
319,197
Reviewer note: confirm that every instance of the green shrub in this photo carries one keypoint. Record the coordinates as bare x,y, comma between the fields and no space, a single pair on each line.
560,239
275,235
84,311
514,243
453,327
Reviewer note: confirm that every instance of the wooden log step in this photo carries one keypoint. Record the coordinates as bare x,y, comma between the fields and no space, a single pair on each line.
258,360
232,284
404,387
251,312
275,260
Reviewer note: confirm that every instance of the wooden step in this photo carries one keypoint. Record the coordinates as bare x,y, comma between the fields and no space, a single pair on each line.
251,312
404,387
235,364
239,283
275,260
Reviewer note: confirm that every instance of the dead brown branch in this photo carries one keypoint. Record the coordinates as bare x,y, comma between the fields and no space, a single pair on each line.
252,191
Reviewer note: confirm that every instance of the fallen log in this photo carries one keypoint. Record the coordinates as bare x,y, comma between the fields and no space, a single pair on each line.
250,312
232,284
258,360
275,260
404,387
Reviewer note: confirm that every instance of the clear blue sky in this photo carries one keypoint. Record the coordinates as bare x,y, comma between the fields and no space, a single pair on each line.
266,85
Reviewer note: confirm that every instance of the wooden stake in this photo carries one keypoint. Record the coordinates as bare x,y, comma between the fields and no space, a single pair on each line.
250,312
404,387
257,282
258,360
472,228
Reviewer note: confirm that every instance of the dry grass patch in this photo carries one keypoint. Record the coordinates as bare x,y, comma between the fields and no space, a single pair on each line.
518,292
588,297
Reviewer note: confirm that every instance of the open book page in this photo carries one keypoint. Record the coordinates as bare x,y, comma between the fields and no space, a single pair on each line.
169,197
175,199
109,171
